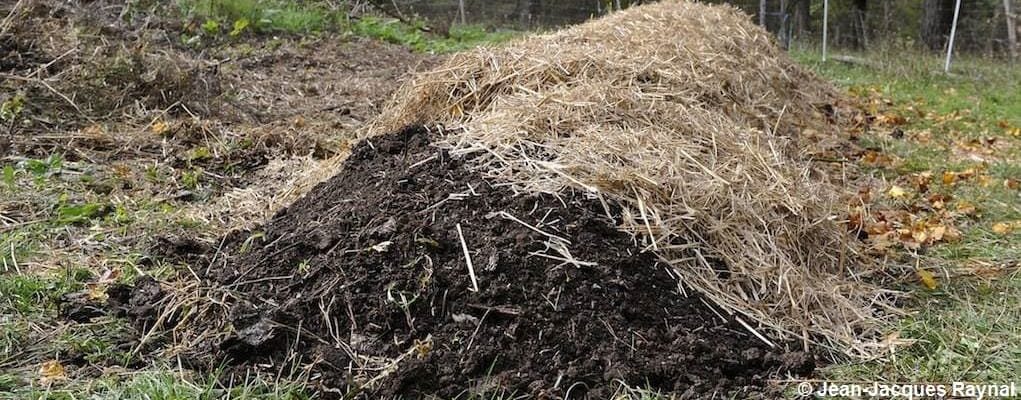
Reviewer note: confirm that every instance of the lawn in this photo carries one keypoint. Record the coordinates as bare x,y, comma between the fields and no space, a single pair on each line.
952,144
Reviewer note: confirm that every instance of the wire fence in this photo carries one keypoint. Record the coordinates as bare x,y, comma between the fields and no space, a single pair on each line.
527,14
986,26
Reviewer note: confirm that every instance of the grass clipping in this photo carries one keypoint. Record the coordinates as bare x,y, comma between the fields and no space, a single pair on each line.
688,115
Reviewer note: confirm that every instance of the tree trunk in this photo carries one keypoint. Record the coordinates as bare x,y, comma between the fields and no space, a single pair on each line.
1011,29
802,14
762,12
859,40
937,16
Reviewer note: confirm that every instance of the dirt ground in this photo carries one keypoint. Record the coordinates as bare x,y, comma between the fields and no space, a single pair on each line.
117,133
126,96
371,268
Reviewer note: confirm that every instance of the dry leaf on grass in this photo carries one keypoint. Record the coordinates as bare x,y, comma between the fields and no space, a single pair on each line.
897,192
51,371
1002,228
927,278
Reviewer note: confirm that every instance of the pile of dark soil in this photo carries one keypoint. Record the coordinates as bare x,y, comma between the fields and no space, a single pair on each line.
370,267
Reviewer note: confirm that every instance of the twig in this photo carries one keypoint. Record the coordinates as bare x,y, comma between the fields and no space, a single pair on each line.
468,260
6,24
50,88
754,332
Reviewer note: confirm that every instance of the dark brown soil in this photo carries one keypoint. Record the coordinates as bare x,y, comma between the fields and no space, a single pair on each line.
376,250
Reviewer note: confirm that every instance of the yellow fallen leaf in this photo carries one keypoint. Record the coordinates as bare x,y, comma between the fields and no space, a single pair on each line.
51,371
949,178
920,235
97,292
160,127
897,192
94,131
966,208
1002,228
927,278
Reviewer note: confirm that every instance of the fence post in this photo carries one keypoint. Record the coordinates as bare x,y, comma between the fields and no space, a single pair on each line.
953,32
825,25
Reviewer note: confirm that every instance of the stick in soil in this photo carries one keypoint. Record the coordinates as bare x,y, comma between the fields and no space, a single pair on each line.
468,260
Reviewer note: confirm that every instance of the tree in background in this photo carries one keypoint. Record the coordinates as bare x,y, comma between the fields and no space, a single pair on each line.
937,16
985,26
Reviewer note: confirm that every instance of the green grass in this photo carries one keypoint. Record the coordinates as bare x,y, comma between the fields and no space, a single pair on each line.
413,36
969,327
266,16
166,383
231,18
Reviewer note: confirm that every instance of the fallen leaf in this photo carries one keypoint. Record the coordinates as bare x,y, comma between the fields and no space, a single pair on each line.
160,127
897,192
966,208
927,278
949,178
1002,228
922,181
94,131
876,159
51,371
951,234
97,292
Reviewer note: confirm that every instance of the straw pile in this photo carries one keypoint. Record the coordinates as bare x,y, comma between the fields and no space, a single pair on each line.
689,116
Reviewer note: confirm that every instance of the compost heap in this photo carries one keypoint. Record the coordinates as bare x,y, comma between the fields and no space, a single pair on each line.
372,268
627,201
702,129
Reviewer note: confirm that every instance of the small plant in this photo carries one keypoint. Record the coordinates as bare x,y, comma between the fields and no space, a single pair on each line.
200,153
239,27
9,177
11,108
45,167
77,213
247,245
211,27
190,179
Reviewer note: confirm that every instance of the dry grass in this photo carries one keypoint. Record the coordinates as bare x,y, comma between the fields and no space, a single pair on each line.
690,117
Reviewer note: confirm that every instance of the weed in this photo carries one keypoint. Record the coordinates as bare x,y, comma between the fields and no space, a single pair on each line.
78,213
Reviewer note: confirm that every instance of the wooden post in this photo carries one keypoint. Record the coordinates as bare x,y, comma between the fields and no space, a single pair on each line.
1011,29
825,25
953,32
